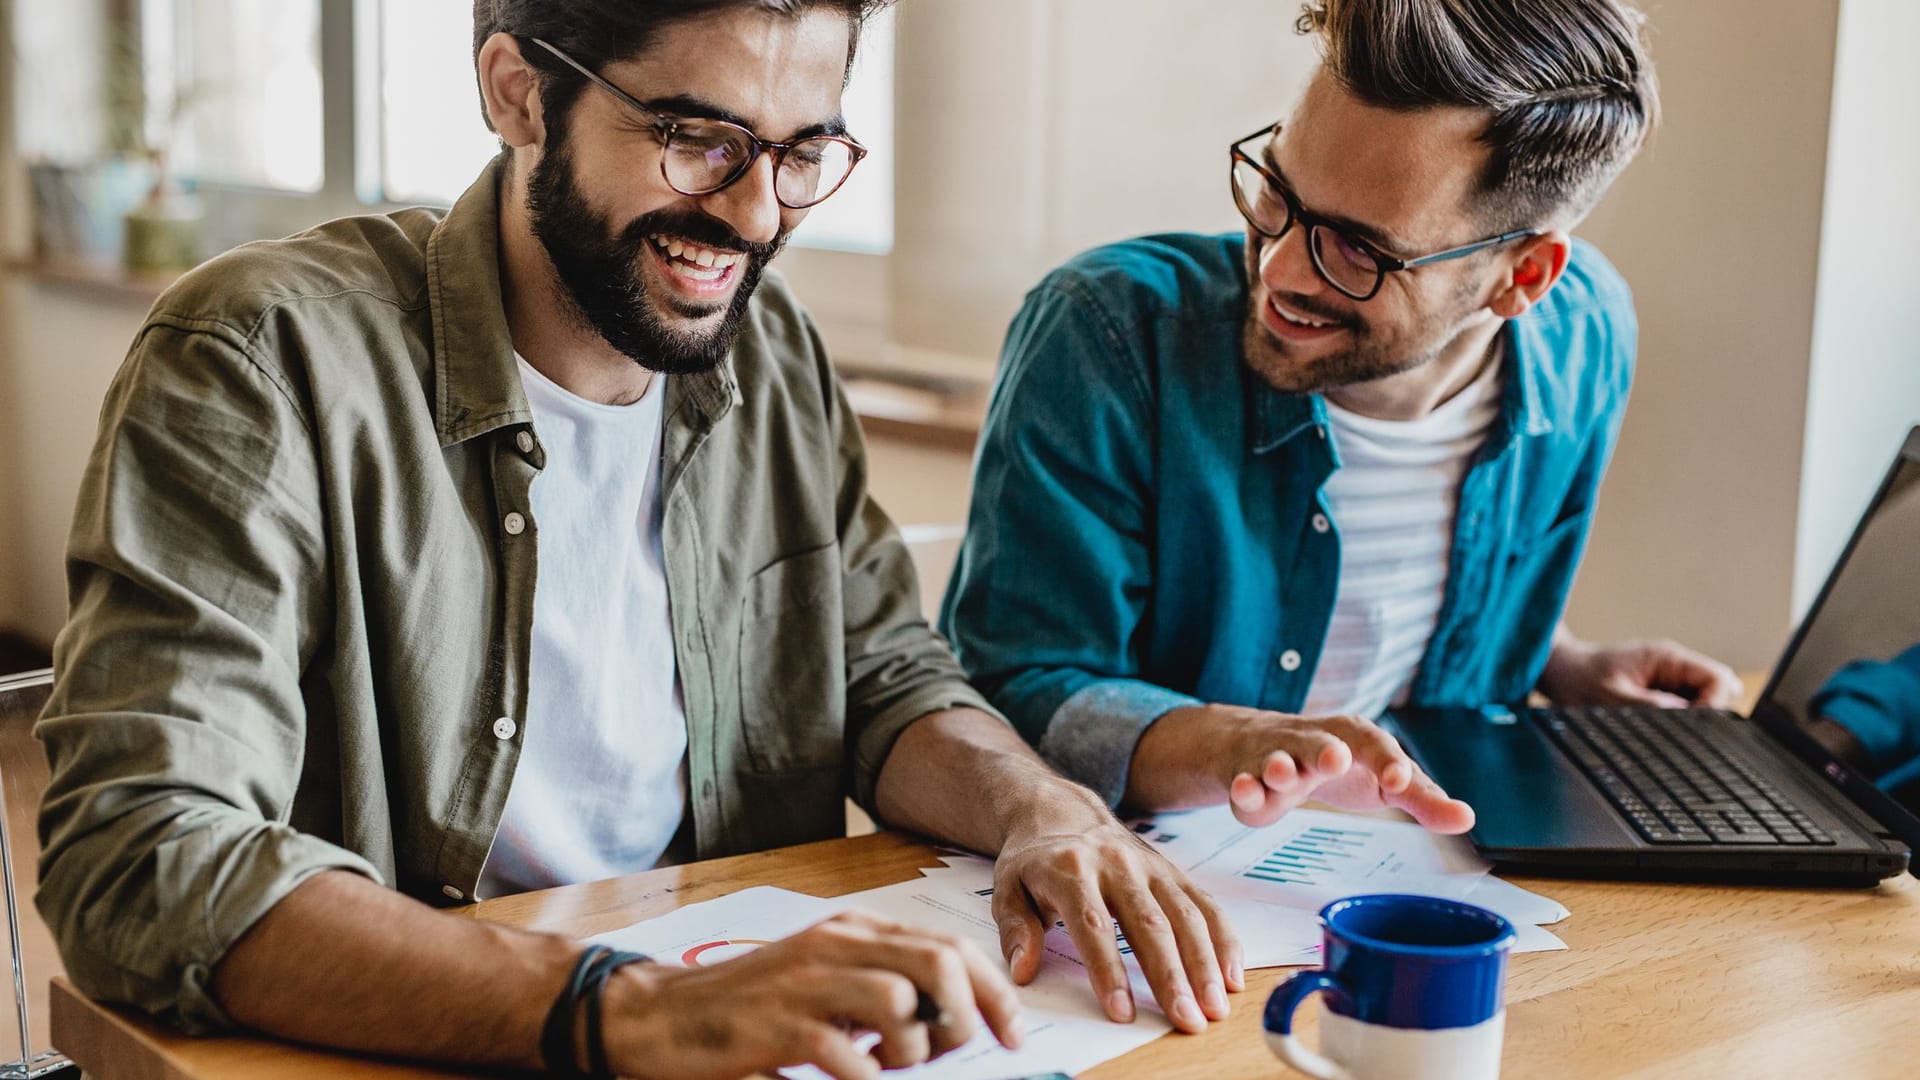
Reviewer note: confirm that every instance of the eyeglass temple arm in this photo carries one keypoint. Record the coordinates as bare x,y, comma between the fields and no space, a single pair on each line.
1463,252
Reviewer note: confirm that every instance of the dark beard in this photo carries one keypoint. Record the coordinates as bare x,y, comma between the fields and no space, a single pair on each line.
1365,359
599,271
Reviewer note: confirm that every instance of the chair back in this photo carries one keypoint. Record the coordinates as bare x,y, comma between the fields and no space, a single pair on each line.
24,1048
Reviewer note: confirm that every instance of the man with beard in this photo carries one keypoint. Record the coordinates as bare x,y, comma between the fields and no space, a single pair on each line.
1238,495
530,544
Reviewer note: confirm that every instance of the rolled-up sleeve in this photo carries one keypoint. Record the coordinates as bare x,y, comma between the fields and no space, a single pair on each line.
1053,580
177,729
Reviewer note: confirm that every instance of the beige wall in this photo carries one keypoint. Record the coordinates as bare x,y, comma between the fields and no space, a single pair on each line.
1864,387
58,351
1717,228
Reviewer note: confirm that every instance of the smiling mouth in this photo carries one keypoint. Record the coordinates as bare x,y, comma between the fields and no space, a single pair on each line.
696,263
1298,319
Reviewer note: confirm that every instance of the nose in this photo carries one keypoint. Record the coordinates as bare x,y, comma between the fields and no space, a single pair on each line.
748,204
1287,267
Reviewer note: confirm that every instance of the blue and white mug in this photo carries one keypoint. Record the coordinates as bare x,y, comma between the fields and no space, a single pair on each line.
1415,990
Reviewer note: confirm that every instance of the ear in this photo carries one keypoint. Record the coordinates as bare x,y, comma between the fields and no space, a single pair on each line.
511,91
1531,271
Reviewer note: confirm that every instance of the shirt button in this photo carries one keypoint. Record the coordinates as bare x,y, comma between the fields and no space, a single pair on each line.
524,441
1289,661
504,728
1321,524
453,892
515,524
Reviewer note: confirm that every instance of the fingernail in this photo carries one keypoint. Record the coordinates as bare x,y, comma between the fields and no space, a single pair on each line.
1216,998
1120,1007
1014,957
1237,974
1187,1015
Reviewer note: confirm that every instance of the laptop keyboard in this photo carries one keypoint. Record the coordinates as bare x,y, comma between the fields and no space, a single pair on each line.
1675,788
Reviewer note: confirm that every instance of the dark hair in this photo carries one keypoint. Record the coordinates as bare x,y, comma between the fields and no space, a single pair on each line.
1567,84
600,32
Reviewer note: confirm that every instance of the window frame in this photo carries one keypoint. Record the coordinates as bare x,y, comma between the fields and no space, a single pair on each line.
352,184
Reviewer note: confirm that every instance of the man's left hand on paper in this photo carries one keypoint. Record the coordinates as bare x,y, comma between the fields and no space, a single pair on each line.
1061,856
1089,872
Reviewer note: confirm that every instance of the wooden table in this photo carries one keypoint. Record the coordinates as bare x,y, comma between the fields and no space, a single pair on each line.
1660,981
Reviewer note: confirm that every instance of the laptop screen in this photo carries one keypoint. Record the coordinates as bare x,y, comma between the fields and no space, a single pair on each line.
1846,696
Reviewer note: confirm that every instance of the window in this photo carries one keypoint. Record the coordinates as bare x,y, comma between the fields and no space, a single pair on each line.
233,91
432,141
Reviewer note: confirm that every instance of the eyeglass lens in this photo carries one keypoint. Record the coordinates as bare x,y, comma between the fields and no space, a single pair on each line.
703,157
1346,265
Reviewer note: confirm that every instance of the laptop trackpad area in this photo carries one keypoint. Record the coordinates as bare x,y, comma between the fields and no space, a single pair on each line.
1525,794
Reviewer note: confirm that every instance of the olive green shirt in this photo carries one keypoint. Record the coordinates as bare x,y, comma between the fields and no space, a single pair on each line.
302,572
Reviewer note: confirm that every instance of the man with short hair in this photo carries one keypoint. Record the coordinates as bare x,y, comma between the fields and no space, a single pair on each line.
530,544
1238,495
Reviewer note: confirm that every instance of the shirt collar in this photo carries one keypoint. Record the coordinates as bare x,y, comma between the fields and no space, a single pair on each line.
1279,417
477,380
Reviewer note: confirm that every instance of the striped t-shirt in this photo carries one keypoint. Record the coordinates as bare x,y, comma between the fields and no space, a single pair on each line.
1393,501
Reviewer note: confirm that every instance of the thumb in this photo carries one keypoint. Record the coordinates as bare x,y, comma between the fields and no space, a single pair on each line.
1022,934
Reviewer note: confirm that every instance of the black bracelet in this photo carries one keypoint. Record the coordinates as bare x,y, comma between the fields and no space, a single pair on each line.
556,1035
596,985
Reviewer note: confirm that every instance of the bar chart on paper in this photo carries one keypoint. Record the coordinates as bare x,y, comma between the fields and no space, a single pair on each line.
1318,855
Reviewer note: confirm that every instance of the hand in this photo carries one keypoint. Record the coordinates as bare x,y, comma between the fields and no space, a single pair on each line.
1084,868
1662,674
1266,763
801,1000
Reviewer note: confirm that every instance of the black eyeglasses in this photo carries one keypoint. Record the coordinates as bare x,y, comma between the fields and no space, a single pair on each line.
1350,264
700,157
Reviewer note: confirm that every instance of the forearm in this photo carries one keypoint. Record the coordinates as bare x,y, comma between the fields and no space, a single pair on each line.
966,778
1566,656
348,963
1177,762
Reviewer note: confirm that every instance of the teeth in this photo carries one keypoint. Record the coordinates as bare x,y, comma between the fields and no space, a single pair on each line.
1295,317
702,257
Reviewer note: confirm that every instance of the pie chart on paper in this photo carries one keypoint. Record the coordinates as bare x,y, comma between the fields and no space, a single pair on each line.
709,953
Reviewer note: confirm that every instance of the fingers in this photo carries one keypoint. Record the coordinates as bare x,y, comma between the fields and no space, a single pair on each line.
1194,937
832,1051
1432,807
1376,751
1150,933
1226,943
1714,685
959,979
1088,922
962,983
879,1001
1022,933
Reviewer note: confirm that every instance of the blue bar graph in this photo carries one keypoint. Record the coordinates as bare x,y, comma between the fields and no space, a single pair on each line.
1310,857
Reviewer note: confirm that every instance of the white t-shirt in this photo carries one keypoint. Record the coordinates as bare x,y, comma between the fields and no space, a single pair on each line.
601,788
1393,499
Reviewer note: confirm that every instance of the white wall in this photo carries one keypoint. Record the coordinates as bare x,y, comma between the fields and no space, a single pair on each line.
1864,389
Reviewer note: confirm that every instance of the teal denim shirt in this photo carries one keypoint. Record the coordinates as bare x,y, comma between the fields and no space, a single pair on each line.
1879,701
1146,529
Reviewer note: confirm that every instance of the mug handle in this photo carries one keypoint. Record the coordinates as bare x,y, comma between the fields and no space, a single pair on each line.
1278,1022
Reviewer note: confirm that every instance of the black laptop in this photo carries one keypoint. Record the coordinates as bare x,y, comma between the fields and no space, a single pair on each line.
1821,785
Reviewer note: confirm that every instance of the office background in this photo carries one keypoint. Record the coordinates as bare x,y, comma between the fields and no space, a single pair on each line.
1769,233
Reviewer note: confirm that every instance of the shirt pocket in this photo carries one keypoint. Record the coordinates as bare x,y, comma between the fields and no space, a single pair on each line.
793,671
